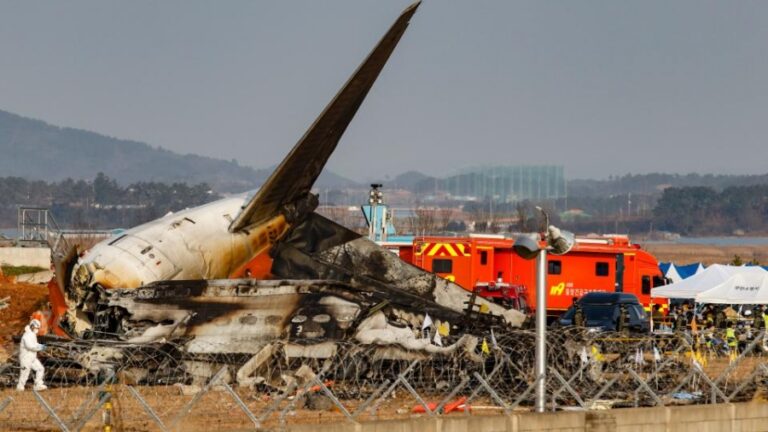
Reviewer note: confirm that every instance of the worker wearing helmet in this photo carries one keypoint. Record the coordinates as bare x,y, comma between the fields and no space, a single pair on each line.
28,357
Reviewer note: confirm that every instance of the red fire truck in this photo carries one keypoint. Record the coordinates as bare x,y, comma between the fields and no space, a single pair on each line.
489,266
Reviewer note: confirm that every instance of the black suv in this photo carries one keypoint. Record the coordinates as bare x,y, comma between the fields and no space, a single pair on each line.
601,310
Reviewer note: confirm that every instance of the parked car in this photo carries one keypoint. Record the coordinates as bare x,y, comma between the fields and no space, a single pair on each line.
601,310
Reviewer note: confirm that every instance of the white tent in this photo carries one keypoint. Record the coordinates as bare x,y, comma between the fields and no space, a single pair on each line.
672,274
700,269
702,281
741,288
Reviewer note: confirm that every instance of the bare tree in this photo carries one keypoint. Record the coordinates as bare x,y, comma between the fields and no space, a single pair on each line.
445,215
522,214
479,215
423,221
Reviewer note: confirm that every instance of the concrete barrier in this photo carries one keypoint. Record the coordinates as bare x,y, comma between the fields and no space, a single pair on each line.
741,417
20,256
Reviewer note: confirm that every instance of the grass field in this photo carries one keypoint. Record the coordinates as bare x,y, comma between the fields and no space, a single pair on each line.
19,270
707,254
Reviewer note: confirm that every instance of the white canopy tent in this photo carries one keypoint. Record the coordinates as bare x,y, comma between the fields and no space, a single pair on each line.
672,274
741,288
704,280
700,268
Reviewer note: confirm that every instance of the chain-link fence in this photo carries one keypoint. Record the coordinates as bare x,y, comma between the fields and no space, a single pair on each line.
164,387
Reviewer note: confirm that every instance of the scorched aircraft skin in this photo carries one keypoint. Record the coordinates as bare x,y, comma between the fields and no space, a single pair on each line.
167,279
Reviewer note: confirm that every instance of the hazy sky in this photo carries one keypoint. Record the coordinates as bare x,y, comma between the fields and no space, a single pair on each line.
602,87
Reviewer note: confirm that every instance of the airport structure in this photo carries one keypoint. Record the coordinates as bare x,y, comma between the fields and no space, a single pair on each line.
508,183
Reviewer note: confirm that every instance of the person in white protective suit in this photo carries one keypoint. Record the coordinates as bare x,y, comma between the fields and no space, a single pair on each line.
28,357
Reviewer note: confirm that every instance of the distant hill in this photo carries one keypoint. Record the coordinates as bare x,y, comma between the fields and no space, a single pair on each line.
408,180
34,149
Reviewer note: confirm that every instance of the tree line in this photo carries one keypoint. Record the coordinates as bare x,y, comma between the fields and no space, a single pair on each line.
703,210
100,203
690,211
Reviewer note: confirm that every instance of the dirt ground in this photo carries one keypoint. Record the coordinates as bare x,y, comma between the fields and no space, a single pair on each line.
216,410
707,254
24,300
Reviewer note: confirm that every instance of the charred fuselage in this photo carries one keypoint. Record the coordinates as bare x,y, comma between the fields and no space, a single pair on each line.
333,286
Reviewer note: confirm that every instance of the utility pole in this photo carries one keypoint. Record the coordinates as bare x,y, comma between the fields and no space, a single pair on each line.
375,197
541,331
528,246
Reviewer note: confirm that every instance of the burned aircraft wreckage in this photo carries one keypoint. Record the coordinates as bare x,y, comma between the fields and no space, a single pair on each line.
169,280
329,284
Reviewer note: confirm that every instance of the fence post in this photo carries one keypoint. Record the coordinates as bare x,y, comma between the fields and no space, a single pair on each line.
412,391
371,398
741,356
105,398
242,405
568,387
713,386
334,399
147,408
452,394
186,409
7,401
392,387
760,369
492,392
645,387
525,394
77,414
50,411
276,403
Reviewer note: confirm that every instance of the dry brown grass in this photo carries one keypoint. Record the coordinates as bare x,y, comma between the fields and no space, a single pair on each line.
24,300
707,254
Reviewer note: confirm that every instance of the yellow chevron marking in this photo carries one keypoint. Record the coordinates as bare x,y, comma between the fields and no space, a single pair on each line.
434,249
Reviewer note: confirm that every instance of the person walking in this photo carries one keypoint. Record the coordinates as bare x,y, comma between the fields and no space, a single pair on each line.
721,320
731,339
622,326
28,357
681,320
578,314
757,318
658,319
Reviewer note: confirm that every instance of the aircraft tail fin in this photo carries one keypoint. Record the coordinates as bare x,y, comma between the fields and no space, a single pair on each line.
294,177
